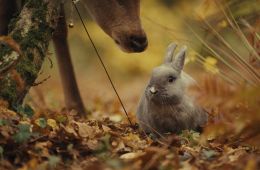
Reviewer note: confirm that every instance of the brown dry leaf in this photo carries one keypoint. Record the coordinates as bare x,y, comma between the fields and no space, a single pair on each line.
120,147
6,131
70,129
43,148
32,164
93,144
106,128
134,141
85,130
235,156
6,113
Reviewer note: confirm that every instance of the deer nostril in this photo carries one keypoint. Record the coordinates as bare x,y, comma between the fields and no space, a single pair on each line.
138,43
138,39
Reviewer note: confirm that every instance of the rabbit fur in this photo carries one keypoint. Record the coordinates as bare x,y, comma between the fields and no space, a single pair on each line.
165,107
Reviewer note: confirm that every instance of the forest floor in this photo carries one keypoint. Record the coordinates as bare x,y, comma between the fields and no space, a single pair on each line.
42,139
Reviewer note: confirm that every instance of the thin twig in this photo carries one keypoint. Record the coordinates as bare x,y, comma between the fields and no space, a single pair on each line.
42,81
102,63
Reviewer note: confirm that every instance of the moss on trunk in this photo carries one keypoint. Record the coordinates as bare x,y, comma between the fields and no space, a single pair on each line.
32,30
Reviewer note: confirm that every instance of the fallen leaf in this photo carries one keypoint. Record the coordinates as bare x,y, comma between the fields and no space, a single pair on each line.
85,130
41,122
132,155
69,129
209,153
106,128
93,144
52,123
116,118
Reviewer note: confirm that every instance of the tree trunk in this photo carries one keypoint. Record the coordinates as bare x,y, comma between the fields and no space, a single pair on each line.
32,30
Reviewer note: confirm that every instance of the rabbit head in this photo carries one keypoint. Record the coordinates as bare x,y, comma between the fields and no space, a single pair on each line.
166,85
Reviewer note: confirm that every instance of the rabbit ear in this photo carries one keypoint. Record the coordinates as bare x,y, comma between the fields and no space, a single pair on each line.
169,53
178,62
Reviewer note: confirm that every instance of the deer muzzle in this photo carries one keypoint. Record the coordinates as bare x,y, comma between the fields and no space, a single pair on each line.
131,42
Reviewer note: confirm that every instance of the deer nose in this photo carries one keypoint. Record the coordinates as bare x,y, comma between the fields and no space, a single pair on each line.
138,42
153,90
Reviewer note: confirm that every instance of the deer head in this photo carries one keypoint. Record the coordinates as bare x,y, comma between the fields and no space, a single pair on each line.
120,19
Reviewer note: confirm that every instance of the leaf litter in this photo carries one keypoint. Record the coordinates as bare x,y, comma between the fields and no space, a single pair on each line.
36,139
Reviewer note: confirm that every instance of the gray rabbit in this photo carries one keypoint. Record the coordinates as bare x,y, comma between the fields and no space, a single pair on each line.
164,106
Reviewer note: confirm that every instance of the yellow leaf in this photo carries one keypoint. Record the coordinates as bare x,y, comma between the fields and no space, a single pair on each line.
52,123
210,65
37,122
222,24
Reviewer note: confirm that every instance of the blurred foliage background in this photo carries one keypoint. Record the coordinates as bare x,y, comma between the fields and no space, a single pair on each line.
188,22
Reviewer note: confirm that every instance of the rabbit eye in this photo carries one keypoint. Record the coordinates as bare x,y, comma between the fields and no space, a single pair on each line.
171,79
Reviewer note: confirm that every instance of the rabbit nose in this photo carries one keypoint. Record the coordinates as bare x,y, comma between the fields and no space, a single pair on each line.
153,90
